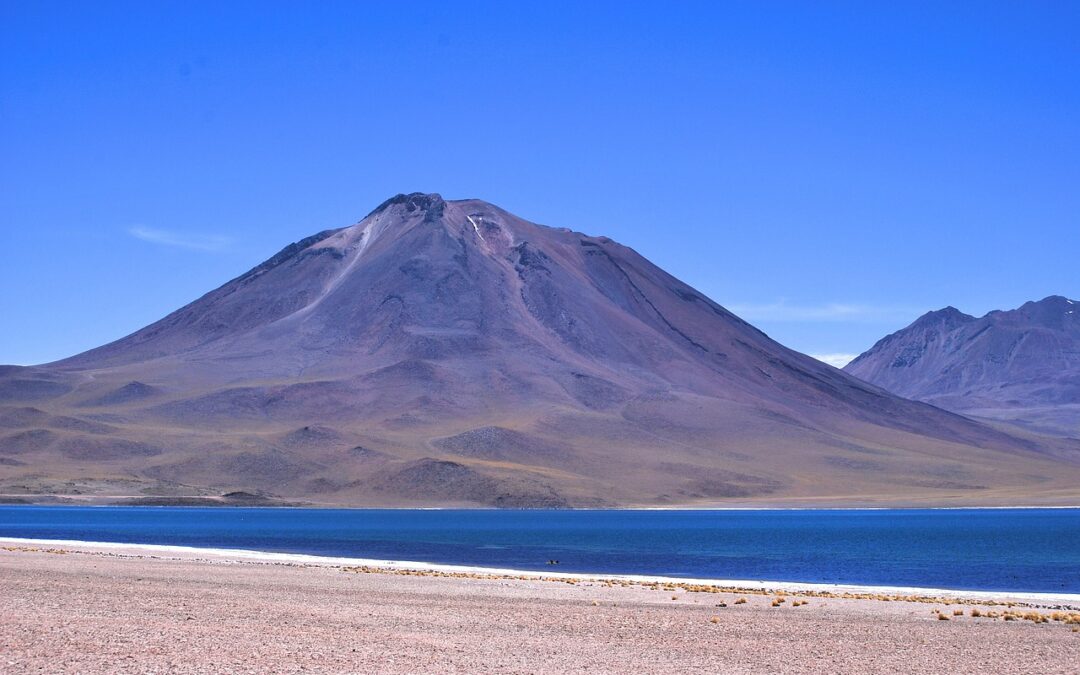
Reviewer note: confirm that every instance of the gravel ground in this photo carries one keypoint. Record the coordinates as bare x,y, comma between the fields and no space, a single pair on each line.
89,611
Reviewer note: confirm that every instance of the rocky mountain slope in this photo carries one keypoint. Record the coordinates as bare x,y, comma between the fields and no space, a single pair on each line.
448,352
1021,365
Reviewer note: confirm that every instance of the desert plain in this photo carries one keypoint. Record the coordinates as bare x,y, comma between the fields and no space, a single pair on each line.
85,608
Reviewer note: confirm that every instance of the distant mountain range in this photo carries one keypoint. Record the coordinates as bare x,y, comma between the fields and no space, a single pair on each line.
450,353
1020,366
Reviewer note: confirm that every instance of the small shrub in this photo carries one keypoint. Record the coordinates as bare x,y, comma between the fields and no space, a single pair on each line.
942,617
740,601
958,612
715,619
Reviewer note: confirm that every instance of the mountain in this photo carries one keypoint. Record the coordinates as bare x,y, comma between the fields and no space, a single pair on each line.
448,352
1020,366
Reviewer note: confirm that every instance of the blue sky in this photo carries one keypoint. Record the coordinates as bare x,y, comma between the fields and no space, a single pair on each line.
827,170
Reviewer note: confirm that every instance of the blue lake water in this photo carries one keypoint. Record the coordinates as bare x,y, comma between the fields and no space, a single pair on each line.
992,549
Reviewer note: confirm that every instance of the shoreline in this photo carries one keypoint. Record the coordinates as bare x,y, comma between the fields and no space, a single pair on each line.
80,502
762,586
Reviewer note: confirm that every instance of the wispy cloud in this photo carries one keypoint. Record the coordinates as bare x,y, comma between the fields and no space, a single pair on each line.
836,360
194,242
833,311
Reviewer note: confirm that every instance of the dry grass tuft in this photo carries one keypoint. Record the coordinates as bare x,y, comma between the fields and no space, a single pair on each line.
944,606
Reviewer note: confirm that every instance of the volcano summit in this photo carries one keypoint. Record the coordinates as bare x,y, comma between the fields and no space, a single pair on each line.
449,353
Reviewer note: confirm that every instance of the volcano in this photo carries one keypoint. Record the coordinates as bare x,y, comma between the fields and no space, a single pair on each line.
450,353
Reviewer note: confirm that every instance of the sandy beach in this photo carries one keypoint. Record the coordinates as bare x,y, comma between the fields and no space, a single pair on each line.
87,608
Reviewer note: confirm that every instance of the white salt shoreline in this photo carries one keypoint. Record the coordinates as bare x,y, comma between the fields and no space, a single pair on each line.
241,555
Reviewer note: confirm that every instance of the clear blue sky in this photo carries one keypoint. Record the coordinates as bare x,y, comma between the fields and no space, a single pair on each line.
829,171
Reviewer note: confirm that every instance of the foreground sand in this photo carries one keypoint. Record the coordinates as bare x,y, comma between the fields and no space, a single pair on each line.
93,610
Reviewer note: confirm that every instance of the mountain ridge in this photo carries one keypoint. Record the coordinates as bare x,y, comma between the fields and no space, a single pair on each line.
1021,366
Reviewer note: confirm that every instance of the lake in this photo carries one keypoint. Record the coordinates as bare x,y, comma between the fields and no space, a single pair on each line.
1031,550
